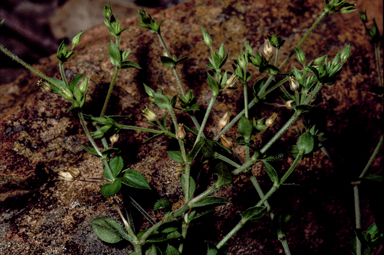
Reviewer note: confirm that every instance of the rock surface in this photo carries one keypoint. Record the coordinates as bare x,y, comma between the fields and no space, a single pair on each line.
41,215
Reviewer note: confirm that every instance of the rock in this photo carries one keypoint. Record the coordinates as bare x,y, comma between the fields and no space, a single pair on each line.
41,214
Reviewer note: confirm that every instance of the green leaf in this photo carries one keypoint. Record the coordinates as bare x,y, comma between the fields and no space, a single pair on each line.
210,200
150,92
223,173
167,61
116,165
153,137
192,185
162,204
173,235
129,64
134,179
110,190
213,85
73,83
114,54
211,249
306,143
151,250
245,127
109,230
271,172
176,156
109,151
90,150
162,101
181,59
171,250
374,177
196,149
254,213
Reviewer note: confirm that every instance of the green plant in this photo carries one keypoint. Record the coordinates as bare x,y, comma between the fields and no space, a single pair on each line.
304,84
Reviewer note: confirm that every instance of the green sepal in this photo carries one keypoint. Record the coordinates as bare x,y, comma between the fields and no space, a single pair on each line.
109,230
111,189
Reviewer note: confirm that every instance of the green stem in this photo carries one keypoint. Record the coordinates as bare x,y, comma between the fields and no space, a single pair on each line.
277,56
227,160
148,130
246,165
293,166
357,216
284,242
211,103
260,193
109,92
370,161
141,210
378,65
30,68
150,231
62,73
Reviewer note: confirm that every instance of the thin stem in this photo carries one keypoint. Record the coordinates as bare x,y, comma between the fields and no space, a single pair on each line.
370,161
260,192
211,103
148,130
109,91
293,166
378,65
227,160
29,67
284,242
245,165
357,216
141,210
150,231
62,73
277,56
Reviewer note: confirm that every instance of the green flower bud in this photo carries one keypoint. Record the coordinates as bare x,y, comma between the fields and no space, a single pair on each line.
83,86
363,16
67,94
150,115
300,56
345,54
207,38
107,11
76,39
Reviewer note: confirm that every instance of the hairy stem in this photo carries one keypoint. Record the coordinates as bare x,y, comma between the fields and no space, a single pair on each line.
109,92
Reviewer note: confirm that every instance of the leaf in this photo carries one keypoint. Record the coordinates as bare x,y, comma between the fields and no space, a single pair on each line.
181,59
153,137
73,83
245,127
211,249
116,165
176,156
167,61
254,213
271,172
90,150
162,101
223,173
109,151
168,230
109,230
151,250
110,190
171,250
114,54
134,179
213,85
374,177
129,64
173,235
196,149
192,185
162,204
210,200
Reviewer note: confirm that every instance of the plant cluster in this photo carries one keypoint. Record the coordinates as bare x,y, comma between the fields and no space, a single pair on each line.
168,235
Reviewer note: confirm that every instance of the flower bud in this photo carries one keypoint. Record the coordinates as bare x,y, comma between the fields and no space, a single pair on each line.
114,138
271,120
226,141
224,120
267,48
76,39
363,16
150,115
231,81
44,86
83,85
180,131
107,11
293,84
67,94
207,38
288,105
66,176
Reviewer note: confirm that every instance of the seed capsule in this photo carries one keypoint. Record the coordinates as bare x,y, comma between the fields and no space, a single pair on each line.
224,120
180,131
271,120
226,141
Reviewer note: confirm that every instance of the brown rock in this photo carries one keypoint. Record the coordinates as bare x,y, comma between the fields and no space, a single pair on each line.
39,138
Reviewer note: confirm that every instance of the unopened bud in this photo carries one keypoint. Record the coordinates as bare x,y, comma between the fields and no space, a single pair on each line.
45,87
83,85
114,138
267,48
293,84
271,120
66,176
224,120
288,104
231,81
226,141
74,172
107,11
180,132
207,38
76,39
150,115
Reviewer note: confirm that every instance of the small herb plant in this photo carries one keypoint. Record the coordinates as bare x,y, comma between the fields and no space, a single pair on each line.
299,88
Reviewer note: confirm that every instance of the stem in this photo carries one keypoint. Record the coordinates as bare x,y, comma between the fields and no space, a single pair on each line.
62,73
260,193
245,165
378,65
227,160
148,130
357,216
370,161
277,56
293,166
213,98
30,68
304,38
150,231
141,210
109,91
246,114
